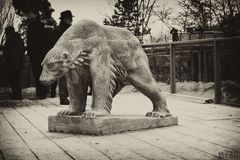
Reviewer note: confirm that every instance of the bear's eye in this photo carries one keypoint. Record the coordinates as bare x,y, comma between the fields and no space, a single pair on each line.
51,66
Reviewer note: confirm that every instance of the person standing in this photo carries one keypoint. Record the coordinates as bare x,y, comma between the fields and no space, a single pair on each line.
36,51
174,33
13,52
65,23
49,41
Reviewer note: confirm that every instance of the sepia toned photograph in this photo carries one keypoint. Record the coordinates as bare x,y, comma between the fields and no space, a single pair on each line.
119,80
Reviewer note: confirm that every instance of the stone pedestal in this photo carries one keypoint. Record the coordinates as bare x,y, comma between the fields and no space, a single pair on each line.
106,125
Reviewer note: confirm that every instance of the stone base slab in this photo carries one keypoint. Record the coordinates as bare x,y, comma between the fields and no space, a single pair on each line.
106,125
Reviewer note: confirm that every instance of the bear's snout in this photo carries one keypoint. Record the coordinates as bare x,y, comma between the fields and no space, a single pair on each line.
46,79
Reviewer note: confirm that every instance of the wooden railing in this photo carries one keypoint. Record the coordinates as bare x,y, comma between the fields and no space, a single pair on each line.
211,42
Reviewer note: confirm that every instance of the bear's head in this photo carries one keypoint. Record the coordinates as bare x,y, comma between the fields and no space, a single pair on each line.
62,58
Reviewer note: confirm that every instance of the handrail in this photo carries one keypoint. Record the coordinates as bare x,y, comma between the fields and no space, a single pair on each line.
192,41
217,65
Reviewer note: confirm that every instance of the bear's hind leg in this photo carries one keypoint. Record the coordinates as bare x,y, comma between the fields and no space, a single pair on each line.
142,79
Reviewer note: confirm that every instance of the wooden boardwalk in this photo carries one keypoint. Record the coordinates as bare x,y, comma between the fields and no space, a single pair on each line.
205,131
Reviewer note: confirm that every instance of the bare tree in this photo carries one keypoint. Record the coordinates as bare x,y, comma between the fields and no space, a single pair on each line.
164,14
146,8
183,20
7,17
138,18
198,11
223,9
209,14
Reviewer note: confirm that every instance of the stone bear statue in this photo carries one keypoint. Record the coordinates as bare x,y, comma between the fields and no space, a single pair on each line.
109,56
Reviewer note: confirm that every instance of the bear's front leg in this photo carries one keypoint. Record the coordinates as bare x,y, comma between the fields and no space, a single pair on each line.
101,77
77,82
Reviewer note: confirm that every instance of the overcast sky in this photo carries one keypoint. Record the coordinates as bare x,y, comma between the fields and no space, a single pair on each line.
82,9
95,10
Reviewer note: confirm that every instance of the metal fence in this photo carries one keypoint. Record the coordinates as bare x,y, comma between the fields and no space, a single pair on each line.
204,60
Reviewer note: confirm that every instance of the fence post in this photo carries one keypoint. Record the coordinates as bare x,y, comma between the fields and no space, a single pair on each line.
217,76
172,69
154,63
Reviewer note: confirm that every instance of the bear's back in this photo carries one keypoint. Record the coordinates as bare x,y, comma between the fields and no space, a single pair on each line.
83,29
117,33
88,28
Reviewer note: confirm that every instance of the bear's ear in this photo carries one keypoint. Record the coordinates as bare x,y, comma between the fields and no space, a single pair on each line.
65,57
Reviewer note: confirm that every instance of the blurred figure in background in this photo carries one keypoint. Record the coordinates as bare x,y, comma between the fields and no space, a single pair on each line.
48,43
36,51
65,23
174,33
13,52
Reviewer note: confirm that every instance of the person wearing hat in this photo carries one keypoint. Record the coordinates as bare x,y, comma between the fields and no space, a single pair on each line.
36,49
65,23
174,33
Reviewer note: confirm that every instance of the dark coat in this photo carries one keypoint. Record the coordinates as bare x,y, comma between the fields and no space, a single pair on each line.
49,40
39,40
35,40
13,51
62,27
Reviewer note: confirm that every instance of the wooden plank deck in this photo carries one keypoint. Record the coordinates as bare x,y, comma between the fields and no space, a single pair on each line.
205,131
